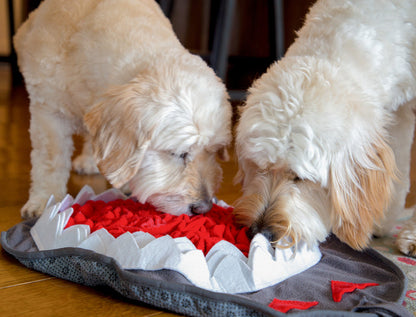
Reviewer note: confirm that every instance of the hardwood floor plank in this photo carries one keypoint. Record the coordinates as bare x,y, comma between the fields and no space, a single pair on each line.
13,273
55,297
9,213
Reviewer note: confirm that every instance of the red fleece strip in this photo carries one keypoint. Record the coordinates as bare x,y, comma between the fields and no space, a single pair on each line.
339,288
120,216
285,305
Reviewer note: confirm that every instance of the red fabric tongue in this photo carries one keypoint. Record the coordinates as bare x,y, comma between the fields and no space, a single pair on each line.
285,305
120,216
339,288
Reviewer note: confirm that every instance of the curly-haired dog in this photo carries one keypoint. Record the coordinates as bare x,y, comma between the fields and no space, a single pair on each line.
324,139
154,115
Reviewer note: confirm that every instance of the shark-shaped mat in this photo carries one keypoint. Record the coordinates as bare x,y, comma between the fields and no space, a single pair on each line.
213,278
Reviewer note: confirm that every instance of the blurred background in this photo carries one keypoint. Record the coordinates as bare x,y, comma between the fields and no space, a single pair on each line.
237,37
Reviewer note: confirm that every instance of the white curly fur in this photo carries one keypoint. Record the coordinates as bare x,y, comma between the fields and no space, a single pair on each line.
332,123
154,115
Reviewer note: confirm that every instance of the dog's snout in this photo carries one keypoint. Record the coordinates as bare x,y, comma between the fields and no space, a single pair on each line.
201,207
264,230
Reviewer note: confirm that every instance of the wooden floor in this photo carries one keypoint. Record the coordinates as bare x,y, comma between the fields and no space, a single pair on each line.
28,293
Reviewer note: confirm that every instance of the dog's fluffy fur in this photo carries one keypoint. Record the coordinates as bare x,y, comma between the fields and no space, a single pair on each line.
324,139
154,116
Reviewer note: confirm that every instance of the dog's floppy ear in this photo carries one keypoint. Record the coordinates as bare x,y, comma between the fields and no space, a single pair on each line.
118,140
360,190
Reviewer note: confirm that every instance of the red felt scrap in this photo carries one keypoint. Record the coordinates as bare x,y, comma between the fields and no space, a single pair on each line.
120,216
285,305
339,288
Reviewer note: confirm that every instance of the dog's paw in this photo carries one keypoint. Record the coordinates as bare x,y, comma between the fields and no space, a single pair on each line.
85,165
406,240
33,208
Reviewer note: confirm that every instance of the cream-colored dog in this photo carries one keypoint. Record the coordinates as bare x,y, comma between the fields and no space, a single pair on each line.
157,116
324,139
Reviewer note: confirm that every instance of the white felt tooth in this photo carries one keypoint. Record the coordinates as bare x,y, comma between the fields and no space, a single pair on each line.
283,254
158,254
283,263
226,247
110,194
304,258
125,250
263,266
314,254
215,286
63,217
260,240
44,230
51,212
66,203
85,194
268,264
194,267
143,238
51,202
184,244
214,260
47,231
98,241
233,275
219,251
73,236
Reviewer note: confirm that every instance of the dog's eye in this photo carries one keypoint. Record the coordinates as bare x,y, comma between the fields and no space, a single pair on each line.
296,179
183,156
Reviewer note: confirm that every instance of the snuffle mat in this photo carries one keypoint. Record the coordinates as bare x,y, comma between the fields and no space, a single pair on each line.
202,265
208,249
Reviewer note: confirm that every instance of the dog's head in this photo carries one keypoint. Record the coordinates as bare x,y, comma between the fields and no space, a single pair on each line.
313,155
162,132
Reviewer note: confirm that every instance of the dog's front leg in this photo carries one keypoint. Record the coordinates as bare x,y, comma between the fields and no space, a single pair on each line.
52,147
400,141
84,163
402,137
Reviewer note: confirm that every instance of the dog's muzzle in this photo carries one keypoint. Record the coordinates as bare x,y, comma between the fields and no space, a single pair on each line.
201,207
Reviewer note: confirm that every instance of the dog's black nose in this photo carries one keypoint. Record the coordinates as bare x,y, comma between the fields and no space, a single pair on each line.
201,207
258,228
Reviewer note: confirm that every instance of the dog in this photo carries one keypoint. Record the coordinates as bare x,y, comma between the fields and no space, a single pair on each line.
324,138
155,117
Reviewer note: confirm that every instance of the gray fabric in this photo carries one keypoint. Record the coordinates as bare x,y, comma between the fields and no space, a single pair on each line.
170,290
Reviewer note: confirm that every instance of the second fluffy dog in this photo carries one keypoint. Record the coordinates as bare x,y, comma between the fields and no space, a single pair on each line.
324,139
154,115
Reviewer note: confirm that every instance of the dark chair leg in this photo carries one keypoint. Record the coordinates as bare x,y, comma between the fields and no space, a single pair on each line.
166,6
276,39
219,55
276,29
